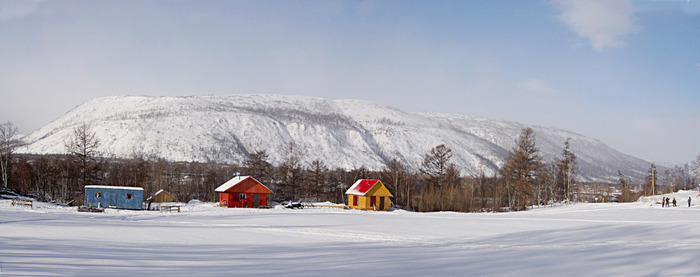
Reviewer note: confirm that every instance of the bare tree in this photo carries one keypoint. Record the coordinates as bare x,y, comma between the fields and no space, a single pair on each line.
550,182
679,177
83,148
395,177
360,173
567,170
8,143
696,167
438,167
627,195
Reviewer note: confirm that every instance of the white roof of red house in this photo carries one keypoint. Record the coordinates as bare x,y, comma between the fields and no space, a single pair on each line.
238,180
231,183
361,187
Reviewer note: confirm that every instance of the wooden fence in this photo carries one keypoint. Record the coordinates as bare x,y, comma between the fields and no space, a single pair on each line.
22,202
169,208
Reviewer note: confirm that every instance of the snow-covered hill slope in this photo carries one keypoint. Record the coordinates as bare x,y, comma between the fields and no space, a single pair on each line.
342,133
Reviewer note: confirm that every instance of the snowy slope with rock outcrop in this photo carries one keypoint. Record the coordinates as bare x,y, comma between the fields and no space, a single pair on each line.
342,133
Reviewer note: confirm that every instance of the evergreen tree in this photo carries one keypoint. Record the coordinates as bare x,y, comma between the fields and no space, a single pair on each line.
521,170
317,176
258,164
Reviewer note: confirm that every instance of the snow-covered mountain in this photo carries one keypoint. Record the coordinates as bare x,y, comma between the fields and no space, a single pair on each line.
342,133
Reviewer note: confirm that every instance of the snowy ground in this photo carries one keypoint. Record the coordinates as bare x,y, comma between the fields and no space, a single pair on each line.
633,239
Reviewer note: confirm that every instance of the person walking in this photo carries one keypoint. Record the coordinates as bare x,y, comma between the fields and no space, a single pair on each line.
663,202
688,201
667,202
674,201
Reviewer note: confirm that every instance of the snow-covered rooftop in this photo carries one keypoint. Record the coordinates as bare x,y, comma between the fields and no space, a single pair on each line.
154,195
232,182
112,187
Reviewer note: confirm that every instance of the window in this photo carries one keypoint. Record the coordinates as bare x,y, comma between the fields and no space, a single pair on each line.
129,196
98,194
241,196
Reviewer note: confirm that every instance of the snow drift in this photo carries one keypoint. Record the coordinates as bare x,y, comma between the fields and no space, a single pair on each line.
604,239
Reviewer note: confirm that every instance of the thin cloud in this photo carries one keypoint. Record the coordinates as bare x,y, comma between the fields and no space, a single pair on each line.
537,86
605,23
13,9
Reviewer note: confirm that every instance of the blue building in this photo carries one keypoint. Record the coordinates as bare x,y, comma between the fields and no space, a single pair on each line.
114,197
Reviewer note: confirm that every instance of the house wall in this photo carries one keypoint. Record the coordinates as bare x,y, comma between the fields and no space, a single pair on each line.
351,201
113,198
362,202
162,197
234,201
365,202
379,190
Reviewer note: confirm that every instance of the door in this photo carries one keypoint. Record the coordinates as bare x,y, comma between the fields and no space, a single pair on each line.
381,203
256,200
373,202
354,200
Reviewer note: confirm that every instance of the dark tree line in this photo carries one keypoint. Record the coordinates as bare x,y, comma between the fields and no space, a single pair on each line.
524,180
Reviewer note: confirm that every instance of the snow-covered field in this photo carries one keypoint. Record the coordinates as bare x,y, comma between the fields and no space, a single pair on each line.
633,239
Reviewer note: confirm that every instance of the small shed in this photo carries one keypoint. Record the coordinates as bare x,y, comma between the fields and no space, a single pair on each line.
161,196
243,191
368,194
114,197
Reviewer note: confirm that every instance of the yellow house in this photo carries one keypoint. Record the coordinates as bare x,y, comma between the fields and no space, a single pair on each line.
368,194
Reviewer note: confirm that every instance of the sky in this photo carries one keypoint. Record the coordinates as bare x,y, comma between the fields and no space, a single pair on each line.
624,72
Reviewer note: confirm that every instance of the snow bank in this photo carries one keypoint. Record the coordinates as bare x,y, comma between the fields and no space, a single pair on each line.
681,197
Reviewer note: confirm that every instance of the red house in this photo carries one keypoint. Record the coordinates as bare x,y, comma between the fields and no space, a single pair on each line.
243,191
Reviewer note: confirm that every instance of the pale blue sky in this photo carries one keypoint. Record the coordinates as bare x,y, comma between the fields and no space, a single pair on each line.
624,72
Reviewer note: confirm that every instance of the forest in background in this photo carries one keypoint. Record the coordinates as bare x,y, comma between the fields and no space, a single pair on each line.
523,181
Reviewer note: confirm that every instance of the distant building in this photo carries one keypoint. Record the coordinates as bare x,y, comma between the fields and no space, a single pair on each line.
114,197
243,191
161,196
368,194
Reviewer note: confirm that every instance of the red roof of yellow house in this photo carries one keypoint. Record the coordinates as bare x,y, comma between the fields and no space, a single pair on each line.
364,186
361,187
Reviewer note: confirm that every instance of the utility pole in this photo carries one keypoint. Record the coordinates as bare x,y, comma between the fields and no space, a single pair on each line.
653,178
